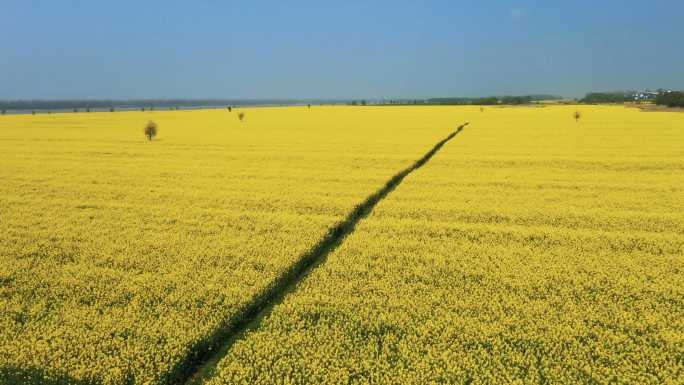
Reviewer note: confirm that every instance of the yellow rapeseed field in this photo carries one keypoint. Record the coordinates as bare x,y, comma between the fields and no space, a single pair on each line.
119,255
532,249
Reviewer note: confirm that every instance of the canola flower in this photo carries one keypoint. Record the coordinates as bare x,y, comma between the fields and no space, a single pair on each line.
119,255
532,249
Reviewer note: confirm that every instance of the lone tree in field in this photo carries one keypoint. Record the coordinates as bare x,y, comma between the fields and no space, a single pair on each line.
578,115
3,112
150,130
111,109
241,116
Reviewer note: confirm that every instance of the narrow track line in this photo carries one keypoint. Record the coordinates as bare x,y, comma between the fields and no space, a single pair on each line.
200,363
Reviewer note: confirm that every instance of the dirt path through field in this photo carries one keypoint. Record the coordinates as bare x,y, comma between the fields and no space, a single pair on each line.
198,367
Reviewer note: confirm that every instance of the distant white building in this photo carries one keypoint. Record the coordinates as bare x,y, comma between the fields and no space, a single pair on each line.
644,96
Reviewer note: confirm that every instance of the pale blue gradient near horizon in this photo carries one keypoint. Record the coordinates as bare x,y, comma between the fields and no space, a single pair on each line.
340,49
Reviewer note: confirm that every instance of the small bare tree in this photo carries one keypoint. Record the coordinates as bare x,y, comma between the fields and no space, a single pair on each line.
150,130
577,115
241,116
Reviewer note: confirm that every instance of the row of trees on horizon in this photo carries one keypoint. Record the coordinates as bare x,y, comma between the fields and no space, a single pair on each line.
660,97
108,104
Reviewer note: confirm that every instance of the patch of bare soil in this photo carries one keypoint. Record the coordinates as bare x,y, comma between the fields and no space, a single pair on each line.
654,108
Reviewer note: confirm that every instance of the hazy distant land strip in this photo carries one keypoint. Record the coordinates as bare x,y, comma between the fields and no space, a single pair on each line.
662,97
22,106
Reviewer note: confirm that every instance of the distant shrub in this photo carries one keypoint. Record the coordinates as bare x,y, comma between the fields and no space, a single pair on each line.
88,109
142,109
150,130
2,112
111,109
75,110
577,116
241,116
516,100
670,99
488,101
33,112
229,108
606,97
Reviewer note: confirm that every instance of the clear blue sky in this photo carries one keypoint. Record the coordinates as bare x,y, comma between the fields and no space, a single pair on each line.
358,49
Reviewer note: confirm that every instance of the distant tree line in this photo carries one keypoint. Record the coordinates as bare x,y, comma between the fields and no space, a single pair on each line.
493,100
150,104
490,100
661,97
670,99
607,97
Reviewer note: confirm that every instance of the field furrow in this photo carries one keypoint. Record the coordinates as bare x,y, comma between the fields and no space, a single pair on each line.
249,317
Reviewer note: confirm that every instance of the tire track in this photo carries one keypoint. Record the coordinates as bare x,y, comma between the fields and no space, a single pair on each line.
204,356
